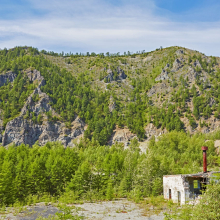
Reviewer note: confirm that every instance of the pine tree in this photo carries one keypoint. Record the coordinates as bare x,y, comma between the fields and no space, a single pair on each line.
109,191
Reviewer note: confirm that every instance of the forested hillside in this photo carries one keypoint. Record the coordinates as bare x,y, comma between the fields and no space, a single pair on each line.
71,125
59,97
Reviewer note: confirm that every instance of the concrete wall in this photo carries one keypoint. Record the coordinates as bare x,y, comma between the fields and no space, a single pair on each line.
175,183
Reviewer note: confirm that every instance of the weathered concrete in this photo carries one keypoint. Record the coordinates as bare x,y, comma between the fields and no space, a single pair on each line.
174,184
184,188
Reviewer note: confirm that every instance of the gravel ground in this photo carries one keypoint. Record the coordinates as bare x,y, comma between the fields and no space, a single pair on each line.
115,210
112,210
32,213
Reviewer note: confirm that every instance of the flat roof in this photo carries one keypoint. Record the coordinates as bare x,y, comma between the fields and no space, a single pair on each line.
196,175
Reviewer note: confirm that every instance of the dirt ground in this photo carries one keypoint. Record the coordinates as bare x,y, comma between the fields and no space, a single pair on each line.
115,210
108,210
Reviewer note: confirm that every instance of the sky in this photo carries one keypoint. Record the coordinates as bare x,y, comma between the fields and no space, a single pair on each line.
110,25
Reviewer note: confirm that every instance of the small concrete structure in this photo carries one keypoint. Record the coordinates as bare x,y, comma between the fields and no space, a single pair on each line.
188,187
185,188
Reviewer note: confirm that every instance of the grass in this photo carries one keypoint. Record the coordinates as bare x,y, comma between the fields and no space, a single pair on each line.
148,206
156,205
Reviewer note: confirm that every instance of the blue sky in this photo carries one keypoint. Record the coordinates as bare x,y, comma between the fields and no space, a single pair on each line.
110,25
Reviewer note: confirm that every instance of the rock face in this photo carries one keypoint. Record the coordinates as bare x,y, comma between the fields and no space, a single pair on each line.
191,74
120,75
112,104
162,76
21,130
197,63
110,75
25,131
179,52
151,130
121,136
176,65
9,76
35,75
159,88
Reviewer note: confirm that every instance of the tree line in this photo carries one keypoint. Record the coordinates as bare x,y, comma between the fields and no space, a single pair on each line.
100,172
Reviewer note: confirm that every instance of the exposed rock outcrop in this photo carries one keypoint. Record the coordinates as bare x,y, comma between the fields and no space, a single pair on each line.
212,101
197,63
162,76
9,76
151,130
179,52
191,75
110,75
121,136
159,88
177,65
21,130
119,75
112,104
34,75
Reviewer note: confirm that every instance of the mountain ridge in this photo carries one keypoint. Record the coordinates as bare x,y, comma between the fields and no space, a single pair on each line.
148,93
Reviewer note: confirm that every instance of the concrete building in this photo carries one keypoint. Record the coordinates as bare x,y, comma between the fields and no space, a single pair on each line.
185,188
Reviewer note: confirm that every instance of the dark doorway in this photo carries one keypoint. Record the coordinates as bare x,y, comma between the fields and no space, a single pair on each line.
170,196
179,196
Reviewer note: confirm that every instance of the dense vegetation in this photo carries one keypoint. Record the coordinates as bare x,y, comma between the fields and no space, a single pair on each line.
76,95
14,96
92,172
207,208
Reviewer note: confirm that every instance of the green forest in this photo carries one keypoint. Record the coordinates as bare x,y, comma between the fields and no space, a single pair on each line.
76,95
94,172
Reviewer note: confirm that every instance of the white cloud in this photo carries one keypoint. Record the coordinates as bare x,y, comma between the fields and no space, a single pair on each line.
92,25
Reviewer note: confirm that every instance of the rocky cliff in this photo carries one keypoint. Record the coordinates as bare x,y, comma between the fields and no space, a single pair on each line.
163,90
118,74
7,77
23,129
